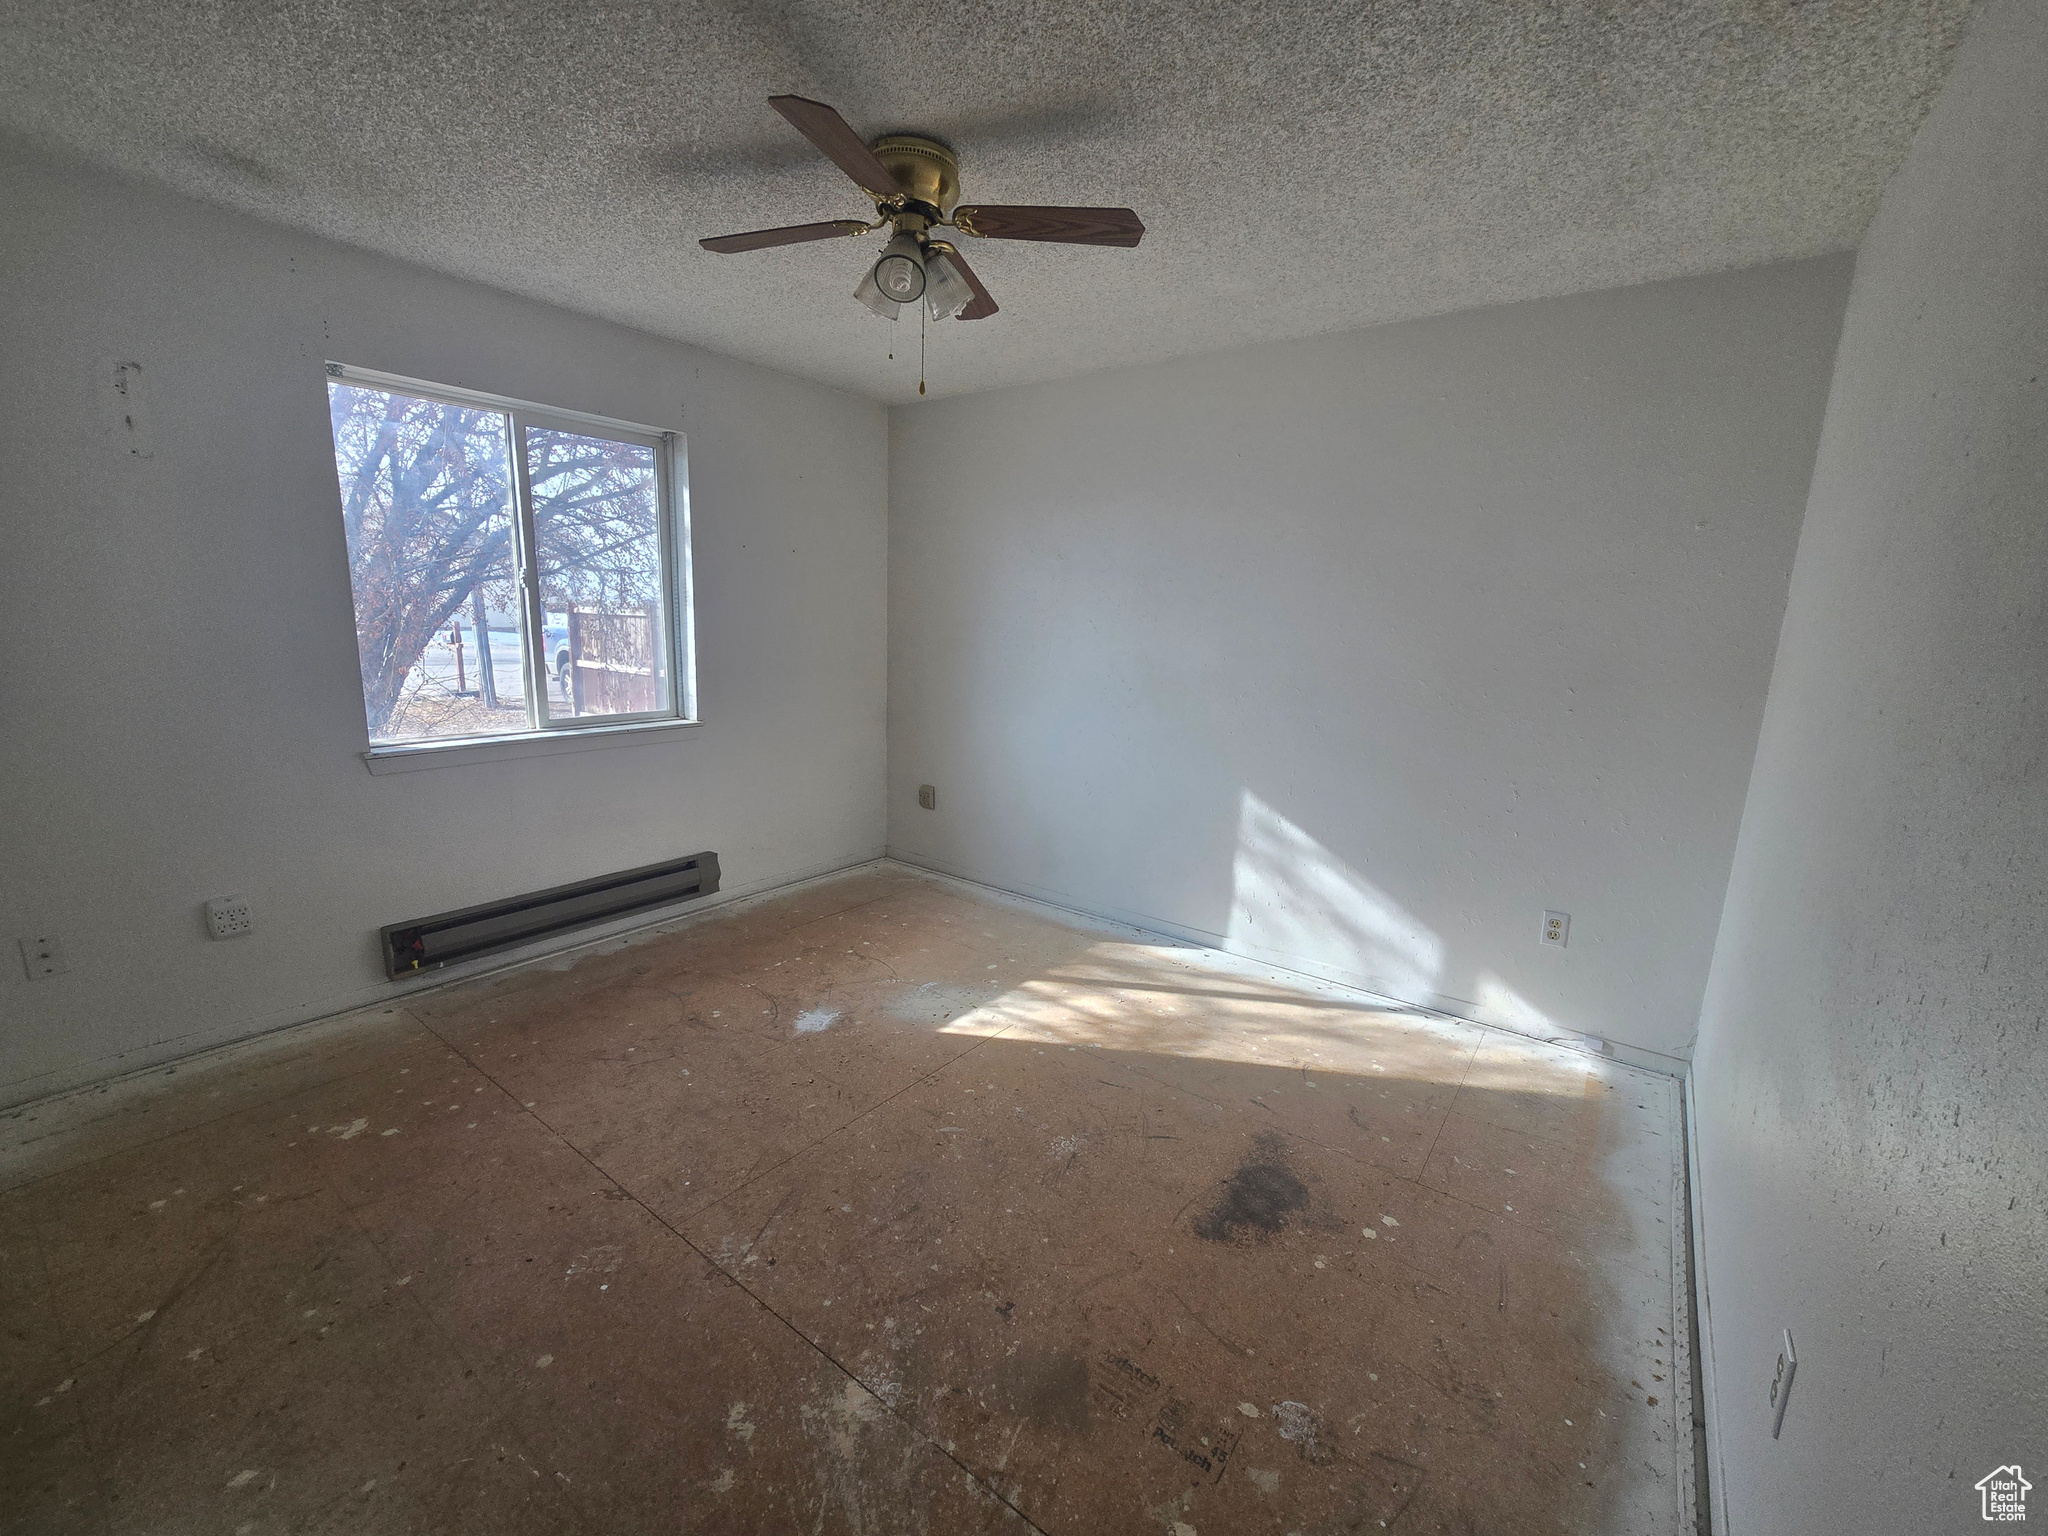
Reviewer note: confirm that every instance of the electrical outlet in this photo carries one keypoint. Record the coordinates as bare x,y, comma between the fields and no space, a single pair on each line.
927,797
227,917
1781,1384
43,958
1557,927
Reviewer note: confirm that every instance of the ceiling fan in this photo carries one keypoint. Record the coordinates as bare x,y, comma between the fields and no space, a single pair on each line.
915,184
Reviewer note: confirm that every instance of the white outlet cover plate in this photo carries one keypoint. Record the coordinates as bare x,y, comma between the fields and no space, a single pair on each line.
228,917
1557,928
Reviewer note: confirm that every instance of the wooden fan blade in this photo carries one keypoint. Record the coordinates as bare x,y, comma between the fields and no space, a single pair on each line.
835,138
789,234
1066,226
983,305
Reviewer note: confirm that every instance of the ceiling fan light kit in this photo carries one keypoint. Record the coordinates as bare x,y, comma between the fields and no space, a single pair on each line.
915,185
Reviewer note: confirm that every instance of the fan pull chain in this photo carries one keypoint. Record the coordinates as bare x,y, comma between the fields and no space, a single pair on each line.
920,348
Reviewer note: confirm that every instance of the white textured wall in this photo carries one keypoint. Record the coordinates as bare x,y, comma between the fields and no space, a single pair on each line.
182,711
1872,1072
1357,653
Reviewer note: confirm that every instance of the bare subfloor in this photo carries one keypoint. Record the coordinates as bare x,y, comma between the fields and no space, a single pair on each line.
880,1206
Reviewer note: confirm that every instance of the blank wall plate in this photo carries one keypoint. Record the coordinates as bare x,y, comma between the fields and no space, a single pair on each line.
228,917
1781,1384
1557,928
43,958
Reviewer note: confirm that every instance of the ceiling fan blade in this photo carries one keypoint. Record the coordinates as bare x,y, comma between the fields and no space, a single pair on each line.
789,234
834,136
1066,226
983,305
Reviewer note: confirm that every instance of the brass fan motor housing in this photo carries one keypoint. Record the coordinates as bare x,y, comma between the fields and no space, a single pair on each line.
925,169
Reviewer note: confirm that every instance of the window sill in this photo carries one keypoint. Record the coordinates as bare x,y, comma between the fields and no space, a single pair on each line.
415,755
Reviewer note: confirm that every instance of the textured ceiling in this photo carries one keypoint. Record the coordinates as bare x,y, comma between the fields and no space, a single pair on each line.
1302,166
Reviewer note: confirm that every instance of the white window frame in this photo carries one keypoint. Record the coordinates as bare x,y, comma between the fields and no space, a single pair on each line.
542,734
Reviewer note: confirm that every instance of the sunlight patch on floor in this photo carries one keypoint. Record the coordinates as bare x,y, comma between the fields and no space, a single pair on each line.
1164,1000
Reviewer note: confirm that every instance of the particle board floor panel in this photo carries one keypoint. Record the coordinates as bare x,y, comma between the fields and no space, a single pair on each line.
884,1205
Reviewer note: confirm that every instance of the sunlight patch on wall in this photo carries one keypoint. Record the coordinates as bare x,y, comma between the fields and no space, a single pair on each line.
1294,900
1501,1004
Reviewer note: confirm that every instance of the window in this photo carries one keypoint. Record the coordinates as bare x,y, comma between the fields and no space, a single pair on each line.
517,570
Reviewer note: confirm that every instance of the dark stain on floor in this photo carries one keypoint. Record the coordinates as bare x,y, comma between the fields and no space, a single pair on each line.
1258,1198
1048,1388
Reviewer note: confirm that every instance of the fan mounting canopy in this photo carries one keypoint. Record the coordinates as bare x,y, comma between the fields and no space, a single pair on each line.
925,169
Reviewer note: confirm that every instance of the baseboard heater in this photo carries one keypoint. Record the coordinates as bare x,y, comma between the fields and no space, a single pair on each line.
432,942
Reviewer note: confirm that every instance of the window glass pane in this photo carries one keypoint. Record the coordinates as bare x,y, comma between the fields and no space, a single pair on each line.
597,546
426,496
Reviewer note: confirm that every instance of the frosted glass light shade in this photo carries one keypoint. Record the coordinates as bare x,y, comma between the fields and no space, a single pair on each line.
946,292
872,296
900,272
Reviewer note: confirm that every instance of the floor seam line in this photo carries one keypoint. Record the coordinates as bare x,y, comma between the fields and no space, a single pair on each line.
881,1103
1450,1109
735,1281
